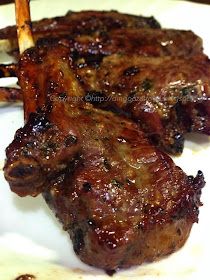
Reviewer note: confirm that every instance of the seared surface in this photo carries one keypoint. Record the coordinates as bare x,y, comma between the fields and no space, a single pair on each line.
157,77
167,96
166,92
86,22
111,32
138,41
122,201
163,87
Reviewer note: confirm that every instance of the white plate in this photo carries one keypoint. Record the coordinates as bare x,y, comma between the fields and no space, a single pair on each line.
31,240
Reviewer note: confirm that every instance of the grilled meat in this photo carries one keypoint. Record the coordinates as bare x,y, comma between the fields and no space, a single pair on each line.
112,32
86,22
164,112
10,95
122,201
167,96
138,41
166,92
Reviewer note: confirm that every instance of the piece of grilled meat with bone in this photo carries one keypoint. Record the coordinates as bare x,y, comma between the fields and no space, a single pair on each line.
122,201
167,95
78,23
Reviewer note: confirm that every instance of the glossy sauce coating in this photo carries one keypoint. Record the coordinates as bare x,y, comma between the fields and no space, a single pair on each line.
122,201
168,96
85,22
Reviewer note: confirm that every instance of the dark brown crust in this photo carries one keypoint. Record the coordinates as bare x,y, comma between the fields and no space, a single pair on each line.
114,192
87,22
126,74
109,40
168,96
141,42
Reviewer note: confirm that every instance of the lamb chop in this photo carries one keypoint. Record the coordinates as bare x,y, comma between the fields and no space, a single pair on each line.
106,33
122,201
165,91
110,39
79,23
109,32
167,96
84,22
140,40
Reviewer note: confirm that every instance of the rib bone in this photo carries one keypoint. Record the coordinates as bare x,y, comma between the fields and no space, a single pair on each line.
23,21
